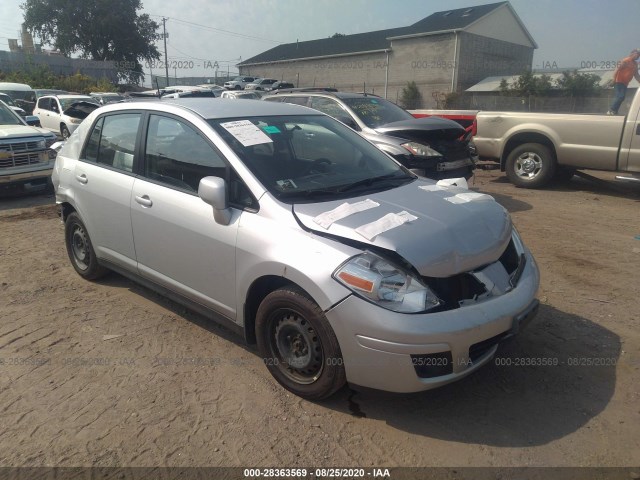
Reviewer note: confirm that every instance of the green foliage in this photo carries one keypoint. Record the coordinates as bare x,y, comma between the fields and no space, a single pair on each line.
96,29
529,84
504,87
410,97
338,35
577,84
40,76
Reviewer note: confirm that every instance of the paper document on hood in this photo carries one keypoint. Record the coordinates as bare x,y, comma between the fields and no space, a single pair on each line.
246,133
454,182
326,219
389,221
468,197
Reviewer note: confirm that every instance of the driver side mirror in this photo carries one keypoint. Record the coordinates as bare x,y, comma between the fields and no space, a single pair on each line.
213,191
348,121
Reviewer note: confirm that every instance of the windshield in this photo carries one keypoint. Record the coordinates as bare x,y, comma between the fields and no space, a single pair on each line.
7,117
67,102
375,112
309,158
7,99
20,94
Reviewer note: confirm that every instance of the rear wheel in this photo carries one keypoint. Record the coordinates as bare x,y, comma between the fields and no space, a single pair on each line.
79,248
531,165
298,345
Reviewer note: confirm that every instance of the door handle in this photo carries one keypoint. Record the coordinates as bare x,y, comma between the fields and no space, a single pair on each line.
144,200
82,178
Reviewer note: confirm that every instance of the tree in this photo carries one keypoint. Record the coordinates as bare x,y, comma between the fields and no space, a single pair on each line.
528,84
576,84
410,96
338,35
101,30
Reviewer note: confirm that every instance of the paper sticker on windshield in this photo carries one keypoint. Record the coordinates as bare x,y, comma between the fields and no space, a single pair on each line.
389,221
326,219
287,184
246,132
271,129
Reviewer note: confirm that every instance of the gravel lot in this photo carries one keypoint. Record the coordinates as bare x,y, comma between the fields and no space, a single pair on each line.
111,374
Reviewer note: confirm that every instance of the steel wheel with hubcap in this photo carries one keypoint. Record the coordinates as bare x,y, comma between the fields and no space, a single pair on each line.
298,345
531,165
79,248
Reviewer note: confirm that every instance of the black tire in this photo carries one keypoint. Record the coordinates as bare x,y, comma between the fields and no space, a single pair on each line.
298,345
64,131
531,165
238,87
80,250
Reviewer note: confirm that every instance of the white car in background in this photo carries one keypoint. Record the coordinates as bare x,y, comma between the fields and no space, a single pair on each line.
238,83
261,84
241,95
62,114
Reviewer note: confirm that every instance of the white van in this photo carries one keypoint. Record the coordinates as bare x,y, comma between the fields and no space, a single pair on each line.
21,93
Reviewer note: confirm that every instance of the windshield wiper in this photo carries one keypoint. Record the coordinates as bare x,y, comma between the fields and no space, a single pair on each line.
370,181
307,193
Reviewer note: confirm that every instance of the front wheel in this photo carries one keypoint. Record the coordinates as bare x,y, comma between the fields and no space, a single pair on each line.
80,250
298,345
531,165
64,131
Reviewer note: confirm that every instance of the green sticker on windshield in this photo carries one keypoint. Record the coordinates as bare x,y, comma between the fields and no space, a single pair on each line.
271,129
374,100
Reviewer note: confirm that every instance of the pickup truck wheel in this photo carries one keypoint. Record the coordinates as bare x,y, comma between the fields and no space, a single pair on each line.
83,257
298,345
531,165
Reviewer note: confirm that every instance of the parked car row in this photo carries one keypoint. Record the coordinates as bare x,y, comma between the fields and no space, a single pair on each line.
255,83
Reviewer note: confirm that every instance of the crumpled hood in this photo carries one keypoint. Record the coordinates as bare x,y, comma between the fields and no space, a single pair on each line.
447,238
81,109
428,128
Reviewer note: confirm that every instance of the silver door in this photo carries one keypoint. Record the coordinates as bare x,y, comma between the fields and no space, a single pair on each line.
178,243
103,183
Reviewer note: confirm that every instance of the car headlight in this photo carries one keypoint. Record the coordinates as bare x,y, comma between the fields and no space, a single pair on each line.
388,286
75,120
421,150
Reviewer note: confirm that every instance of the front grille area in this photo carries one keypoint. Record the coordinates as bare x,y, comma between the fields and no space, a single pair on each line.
510,258
452,290
21,160
20,152
433,364
17,147
465,286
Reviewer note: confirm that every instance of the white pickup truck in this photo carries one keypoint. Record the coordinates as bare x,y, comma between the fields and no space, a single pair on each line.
26,160
537,148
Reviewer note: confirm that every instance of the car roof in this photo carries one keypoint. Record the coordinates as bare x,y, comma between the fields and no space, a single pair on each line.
322,92
213,108
68,95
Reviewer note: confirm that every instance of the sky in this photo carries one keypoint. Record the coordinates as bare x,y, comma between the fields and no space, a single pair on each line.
569,33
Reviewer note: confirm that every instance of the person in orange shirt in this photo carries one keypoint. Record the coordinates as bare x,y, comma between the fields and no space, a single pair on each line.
627,69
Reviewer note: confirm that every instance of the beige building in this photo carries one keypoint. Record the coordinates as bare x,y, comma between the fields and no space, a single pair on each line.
448,51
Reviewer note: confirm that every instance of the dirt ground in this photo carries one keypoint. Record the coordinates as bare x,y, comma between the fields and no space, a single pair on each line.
111,374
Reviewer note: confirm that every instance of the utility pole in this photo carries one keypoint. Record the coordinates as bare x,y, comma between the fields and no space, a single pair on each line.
164,36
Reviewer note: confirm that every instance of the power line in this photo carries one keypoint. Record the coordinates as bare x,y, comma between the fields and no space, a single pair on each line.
219,30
